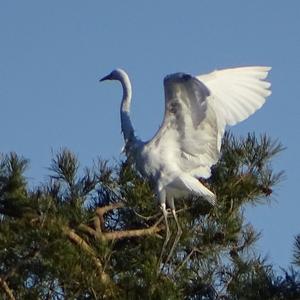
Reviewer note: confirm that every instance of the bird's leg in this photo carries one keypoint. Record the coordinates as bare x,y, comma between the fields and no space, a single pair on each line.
165,213
178,235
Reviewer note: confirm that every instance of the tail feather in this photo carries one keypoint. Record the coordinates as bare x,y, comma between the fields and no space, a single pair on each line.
197,188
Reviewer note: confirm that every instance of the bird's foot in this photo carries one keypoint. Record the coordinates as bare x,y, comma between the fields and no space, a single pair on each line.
165,215
167,238
177,237
175,242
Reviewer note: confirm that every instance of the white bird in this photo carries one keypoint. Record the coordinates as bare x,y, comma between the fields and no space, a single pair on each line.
187,144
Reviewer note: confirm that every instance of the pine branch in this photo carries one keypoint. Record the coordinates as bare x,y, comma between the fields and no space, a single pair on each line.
75,238
6,289
100,211
117,235
296,260
99,231
89,230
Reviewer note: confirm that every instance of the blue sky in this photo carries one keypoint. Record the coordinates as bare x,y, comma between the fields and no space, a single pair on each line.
53,53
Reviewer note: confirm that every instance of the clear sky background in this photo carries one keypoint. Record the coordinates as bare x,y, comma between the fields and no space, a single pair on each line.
52,54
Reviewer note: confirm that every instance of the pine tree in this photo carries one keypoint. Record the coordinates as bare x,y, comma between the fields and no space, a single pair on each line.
98,235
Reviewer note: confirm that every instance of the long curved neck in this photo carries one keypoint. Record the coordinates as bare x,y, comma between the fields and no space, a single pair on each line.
126,125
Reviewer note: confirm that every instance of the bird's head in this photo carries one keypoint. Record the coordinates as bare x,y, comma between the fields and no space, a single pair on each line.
117,74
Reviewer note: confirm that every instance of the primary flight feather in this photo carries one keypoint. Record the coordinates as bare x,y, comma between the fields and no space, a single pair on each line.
197,110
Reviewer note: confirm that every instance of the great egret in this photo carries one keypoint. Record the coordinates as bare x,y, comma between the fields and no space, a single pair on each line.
197,110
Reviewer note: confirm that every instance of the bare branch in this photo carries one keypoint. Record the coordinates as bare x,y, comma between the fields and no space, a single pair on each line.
100,211
106,236
187,258
148,218
6,289
116,235
75,238
104,209
88,230
97,225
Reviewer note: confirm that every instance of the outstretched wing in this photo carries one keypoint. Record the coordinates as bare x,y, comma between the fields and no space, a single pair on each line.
187,138
197,109
236,93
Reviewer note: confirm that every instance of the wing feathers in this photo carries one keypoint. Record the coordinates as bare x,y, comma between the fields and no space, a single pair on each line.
237,92
197,110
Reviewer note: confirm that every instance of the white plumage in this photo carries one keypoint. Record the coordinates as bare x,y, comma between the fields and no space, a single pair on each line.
197,110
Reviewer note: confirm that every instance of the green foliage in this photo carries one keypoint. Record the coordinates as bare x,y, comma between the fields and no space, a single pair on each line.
297,251
99,234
